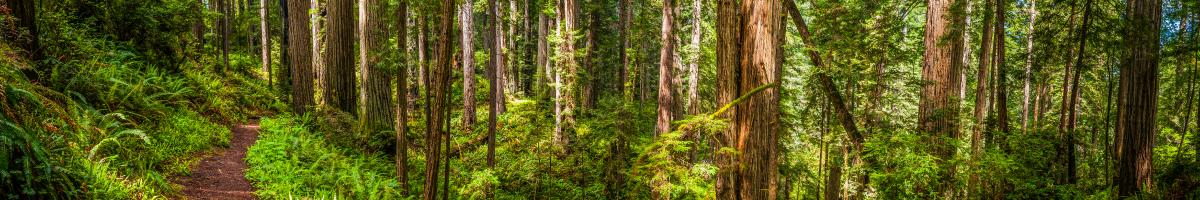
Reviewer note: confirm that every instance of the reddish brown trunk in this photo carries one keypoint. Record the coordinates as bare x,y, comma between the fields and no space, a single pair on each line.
666,100
941,69
729,29
1138,103
402,100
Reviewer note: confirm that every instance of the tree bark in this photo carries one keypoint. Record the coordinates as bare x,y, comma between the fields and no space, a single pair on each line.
1001,89
729,37
497,88
941,68
623,24
223,5
666,100
422,64
300,56
265,32
283,76
1138,103
468,62
402,99
26,13
543,61
1028,67
498,54
758,118
982,106
437,98
339,87
376,90
567,75
694,65
1070,112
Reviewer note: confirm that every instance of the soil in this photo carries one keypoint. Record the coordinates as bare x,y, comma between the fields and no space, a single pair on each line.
222,175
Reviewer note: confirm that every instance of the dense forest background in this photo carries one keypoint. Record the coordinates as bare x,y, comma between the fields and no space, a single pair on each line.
605,99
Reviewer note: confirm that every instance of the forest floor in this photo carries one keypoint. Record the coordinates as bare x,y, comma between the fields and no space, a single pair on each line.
222,175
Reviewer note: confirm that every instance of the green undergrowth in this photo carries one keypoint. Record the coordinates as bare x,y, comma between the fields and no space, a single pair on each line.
291,161
100,119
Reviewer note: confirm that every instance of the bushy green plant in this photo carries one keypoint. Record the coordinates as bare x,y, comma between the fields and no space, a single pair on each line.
290,161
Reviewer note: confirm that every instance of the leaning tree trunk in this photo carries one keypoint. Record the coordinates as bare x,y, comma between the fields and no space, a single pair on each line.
339,78
1139,97
829,89
300,57
942,65
376,90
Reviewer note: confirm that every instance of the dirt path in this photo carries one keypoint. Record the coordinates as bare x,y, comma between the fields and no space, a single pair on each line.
222,176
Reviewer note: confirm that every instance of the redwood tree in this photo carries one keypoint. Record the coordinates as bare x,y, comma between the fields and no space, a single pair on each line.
1138,97
339,81
300,56
941,68
376,90
666,100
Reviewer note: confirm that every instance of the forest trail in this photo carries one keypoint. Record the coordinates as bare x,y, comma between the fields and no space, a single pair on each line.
222,175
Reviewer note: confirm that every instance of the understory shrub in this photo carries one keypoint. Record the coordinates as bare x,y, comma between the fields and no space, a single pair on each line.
291,161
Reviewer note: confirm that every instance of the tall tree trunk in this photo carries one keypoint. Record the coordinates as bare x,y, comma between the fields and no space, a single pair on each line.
376,90
758,118
981,90
318,44
1028,66
300,56
694,63
283,76
568,73
1001,89
437,98
666,100
402,98
224,6
543,61
497,55
339,58
1069,112
833,180
1061,149
496,95
941,68
623,28
468,62
266,38
729,37
1139,97
422,63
